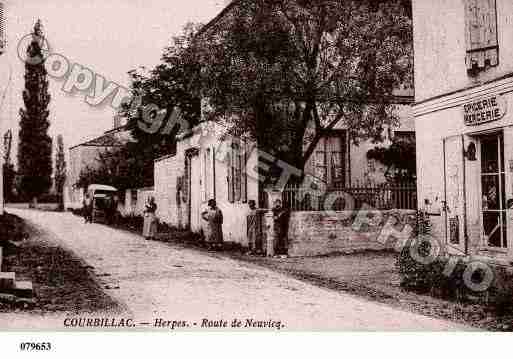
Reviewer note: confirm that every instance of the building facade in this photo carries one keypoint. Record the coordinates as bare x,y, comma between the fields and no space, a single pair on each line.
85,155
464,122
208,164
341,163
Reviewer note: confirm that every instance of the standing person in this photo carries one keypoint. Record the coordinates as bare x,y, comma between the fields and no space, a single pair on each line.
150,220
252,227
281,219
87,209
214,232
115,211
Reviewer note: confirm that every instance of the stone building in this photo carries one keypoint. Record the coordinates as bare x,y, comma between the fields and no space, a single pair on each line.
85,155
463,119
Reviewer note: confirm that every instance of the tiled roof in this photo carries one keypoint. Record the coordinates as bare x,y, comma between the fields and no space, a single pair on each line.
106,140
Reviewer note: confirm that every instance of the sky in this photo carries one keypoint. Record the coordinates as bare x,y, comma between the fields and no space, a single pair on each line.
109,37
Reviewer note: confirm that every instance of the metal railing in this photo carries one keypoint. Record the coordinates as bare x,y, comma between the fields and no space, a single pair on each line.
378,196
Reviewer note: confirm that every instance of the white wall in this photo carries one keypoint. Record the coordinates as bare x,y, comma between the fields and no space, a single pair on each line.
440,47
168,169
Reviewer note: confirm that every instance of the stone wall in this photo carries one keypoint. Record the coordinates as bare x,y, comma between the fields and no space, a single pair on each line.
319,233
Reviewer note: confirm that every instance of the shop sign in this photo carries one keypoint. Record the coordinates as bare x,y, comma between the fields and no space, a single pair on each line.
485,110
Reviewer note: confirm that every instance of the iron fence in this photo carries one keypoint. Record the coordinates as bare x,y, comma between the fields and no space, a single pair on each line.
378,196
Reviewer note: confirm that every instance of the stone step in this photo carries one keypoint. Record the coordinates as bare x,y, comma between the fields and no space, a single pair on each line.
23,289
7,280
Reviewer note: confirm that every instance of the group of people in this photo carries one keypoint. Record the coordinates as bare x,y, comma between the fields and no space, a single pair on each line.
213,217
214,232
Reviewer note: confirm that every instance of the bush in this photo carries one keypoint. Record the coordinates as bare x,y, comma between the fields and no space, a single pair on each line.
443,279
428,275
11,228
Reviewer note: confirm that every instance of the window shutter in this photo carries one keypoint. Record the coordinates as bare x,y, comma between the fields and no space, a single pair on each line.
213,177
203,177
237,170
481,33
244,188
229,168
185,180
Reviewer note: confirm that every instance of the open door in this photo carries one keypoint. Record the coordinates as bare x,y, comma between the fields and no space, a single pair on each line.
493,192
454,209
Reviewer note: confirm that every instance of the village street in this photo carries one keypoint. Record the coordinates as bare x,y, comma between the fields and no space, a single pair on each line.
155,280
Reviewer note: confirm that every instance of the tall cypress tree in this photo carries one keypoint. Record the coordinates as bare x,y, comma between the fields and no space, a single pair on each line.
60,171
35,146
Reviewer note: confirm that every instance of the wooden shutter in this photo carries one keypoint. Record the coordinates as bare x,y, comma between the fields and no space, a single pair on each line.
237,165
454,190
213,169
203,176
481,33
185,180
229,169
244,188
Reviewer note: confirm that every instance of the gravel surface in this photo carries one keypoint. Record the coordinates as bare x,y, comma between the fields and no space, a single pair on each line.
155,280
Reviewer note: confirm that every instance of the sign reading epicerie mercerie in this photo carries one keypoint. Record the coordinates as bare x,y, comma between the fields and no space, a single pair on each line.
485,110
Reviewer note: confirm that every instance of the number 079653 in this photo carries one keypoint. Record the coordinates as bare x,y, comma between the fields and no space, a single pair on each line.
31,346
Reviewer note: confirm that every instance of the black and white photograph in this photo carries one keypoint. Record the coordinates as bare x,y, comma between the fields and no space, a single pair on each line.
256,166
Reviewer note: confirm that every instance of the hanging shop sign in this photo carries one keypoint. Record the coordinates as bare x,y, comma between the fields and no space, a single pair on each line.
485,110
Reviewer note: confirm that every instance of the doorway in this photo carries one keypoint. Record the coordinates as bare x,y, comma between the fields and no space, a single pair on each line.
493,191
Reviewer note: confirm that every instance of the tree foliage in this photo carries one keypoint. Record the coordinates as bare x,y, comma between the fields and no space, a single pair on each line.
35,146
275,68
281,65
169,86
123,168
399,159
60,168
9,172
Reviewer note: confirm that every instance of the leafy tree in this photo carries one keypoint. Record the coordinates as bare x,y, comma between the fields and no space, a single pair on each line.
123,168
399,159
35,146
8,168
60,170
9,176
277,67
169,86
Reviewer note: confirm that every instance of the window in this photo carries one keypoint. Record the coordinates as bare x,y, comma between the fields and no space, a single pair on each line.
481,34
321,169
207,175
337,168
237,179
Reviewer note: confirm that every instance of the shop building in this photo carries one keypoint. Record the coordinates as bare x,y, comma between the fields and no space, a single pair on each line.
464,122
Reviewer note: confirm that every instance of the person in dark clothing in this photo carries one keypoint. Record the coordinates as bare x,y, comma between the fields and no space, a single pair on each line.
150,219
87,209
214,230
281,224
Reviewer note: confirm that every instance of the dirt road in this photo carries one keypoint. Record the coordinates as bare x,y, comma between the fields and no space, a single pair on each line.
155,280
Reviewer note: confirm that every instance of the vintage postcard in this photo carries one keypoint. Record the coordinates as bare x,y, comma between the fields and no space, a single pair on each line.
256,166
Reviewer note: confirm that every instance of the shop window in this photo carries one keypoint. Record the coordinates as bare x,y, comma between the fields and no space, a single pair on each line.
493,191
481,35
